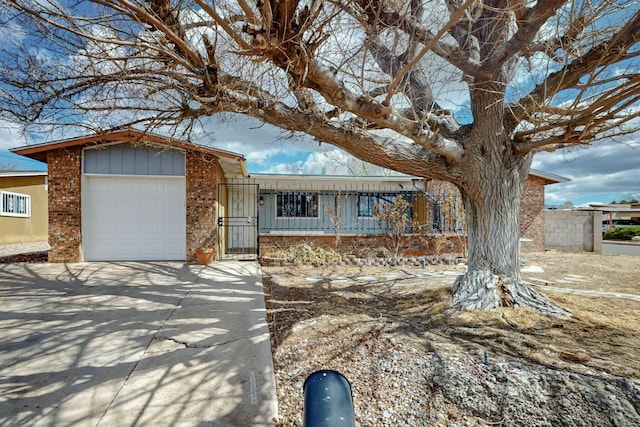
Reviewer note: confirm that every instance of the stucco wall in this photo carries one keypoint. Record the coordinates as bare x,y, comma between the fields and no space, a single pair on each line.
29,229
570,230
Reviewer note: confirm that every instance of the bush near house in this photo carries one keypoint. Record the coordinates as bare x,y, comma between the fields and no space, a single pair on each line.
622,233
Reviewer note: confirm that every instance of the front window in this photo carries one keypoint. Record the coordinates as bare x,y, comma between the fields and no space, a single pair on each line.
366,202
15,204
297,205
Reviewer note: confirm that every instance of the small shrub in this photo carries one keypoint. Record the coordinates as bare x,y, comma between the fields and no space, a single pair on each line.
622,233
307,254
394,220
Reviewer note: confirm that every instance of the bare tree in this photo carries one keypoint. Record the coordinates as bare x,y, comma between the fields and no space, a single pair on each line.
461,91
335,215
394,219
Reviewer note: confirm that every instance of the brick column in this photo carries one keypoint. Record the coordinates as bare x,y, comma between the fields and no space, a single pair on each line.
202,194
532,215
65,213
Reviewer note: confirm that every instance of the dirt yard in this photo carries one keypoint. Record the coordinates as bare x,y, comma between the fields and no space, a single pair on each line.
411,363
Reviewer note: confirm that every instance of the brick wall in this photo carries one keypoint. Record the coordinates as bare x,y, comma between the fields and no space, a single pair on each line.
368,246
201,174
531,211
532,215
65,216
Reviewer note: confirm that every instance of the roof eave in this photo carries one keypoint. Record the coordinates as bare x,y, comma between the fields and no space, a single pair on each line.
550,178
39,151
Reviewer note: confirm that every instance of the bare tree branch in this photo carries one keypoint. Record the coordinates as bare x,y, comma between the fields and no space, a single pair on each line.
608,52
528,26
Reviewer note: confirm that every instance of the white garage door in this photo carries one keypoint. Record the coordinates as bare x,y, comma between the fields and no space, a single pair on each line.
134,218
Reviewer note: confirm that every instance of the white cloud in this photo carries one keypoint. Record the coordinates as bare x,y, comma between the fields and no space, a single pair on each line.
258,142
601,172
10,136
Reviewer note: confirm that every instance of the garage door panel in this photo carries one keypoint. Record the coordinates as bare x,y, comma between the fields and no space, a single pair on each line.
134,218
147,229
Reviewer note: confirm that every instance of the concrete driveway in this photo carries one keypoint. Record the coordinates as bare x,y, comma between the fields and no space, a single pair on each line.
134,344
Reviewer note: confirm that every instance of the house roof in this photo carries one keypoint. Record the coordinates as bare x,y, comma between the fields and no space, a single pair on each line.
549,178
231,163
305,177
612,208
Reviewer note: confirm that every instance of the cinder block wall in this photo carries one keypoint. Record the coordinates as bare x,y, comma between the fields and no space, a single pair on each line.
570,230
202,189
532,215
65,216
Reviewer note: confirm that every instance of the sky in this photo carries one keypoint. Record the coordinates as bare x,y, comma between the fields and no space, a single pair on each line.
604,172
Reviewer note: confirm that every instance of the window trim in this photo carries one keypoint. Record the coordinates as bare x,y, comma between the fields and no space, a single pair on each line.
379,195
296,193
17,197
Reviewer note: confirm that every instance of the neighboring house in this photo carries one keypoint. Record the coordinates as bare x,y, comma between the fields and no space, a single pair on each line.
129,195
23,207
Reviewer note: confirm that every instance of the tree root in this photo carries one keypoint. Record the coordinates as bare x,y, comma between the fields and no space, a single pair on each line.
482,289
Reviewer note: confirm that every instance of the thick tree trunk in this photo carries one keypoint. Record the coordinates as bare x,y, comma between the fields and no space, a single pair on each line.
492,209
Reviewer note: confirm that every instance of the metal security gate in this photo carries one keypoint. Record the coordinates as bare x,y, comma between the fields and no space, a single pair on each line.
238,221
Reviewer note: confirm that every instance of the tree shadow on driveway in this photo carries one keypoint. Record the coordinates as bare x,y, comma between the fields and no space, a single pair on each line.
134,344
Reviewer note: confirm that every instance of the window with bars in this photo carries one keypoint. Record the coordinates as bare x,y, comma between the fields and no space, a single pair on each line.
15,204
297,205
367,201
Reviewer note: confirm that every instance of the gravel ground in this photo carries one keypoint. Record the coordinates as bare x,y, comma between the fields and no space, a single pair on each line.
396,383
411,366
417,373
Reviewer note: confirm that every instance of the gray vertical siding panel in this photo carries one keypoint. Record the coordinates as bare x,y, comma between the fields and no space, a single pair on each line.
178,163
350,222
115,159
90,161
153,163
128,160
102,161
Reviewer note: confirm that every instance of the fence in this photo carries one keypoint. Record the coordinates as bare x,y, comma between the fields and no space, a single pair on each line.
352,211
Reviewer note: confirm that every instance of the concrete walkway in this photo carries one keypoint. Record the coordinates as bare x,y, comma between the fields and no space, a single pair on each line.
134,344
23,248
610,247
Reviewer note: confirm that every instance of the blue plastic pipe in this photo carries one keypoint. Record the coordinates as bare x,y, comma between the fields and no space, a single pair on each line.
327,400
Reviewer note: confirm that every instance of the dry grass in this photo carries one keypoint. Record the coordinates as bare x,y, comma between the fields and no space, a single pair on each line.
341,302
